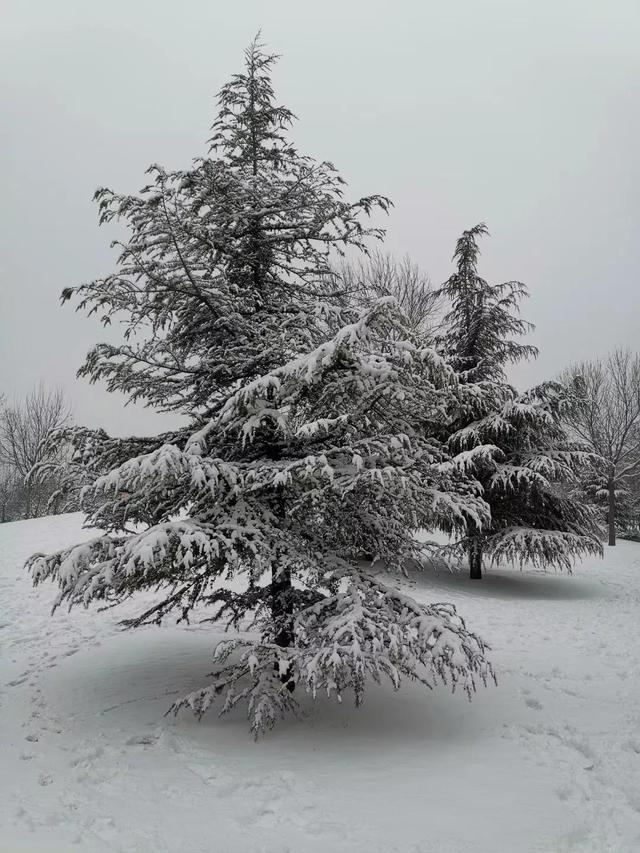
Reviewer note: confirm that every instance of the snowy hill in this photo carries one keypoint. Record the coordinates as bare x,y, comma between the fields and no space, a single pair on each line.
547,761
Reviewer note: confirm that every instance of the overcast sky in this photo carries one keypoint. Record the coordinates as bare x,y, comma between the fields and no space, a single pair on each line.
521,114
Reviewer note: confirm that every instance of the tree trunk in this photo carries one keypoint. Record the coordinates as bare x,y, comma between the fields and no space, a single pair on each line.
475,559
281,606
282,613
611,515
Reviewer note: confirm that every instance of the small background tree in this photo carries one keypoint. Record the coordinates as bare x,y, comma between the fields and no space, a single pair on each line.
606,417
25,428
379,274
11,493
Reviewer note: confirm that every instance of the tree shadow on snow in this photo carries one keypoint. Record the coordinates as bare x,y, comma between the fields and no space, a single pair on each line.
130,687
509,584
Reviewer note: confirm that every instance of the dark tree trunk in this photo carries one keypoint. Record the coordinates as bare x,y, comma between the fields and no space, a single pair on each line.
475,559
281,586
611,515
282,607
282,613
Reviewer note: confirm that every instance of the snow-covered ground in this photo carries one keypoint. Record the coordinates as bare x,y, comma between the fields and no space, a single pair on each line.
549,760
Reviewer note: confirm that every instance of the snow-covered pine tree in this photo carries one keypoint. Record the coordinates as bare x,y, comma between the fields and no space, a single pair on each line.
300,444
226,271
516,444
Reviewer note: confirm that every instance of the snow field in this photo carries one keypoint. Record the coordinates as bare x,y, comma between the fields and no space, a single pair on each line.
549,760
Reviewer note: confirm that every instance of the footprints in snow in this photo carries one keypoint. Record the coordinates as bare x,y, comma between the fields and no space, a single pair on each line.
46,660
143,740
531,702
19,680
598,783
276,799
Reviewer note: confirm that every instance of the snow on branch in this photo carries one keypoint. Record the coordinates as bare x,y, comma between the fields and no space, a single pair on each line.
368,630
110,567
541,547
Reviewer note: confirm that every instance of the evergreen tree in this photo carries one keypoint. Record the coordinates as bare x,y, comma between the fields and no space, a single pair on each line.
300,447
226,271
518,449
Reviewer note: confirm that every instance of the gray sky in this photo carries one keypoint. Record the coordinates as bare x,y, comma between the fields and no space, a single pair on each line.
521,114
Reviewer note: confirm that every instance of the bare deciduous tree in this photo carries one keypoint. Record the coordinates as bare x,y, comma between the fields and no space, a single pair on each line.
10,493
381,274
607,418
24,426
